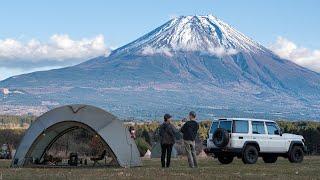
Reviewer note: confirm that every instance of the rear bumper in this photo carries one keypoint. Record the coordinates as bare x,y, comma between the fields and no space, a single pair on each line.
216,151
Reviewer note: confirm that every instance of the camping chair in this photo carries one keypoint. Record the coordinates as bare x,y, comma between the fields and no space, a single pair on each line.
99,158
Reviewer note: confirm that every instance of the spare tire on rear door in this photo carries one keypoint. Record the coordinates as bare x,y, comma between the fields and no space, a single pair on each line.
220,138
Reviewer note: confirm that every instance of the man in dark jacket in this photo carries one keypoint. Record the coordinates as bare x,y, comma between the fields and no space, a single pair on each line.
167,139
190,131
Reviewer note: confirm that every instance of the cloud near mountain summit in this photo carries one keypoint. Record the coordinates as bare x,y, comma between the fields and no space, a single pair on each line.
300,55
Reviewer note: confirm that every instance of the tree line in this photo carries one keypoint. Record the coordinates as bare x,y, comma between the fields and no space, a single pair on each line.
146,133
7,119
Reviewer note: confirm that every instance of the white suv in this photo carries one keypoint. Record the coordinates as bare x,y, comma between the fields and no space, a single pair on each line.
250,138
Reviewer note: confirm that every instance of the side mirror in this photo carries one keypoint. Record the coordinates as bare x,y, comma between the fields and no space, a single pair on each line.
278,132
281,132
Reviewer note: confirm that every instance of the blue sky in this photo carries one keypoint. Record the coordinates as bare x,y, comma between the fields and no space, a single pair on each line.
119,22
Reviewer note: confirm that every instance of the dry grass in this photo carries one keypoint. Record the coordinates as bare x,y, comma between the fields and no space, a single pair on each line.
209,169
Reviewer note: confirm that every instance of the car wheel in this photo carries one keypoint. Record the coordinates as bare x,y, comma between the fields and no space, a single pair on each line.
221,138
225,159
250,155
270,158
296,154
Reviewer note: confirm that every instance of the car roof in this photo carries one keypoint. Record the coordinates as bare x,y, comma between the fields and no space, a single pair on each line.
243,119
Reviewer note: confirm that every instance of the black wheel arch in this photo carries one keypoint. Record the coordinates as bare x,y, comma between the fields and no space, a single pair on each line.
297,143
253,143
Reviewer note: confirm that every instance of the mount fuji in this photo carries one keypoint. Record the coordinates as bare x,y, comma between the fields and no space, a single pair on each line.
189,63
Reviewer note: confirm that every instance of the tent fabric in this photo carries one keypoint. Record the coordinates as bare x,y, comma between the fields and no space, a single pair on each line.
53,124
156,151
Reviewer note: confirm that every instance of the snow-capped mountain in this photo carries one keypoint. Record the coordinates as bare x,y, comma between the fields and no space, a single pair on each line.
194,33
190,62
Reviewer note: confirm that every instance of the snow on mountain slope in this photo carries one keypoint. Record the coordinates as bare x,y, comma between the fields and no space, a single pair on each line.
205,49
194,33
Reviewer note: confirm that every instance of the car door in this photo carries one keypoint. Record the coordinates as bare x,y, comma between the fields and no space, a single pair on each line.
227,125
213,128
259,134
276,143
240,133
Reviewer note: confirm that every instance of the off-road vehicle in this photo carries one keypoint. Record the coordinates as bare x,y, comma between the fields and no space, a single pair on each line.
250,138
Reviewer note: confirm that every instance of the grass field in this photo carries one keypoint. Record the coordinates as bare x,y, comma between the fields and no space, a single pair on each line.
209,169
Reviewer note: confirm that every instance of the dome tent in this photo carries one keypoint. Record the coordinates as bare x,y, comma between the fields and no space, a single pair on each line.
57,122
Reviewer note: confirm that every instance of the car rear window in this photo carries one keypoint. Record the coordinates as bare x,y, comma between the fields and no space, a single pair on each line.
240,126
258,127
225,125
214,127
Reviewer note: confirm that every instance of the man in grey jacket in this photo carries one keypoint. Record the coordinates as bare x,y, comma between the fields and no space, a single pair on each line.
190,131
167,140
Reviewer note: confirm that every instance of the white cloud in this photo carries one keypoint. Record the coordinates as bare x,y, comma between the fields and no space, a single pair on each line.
151,51
17,57
299,55
220,52
59,48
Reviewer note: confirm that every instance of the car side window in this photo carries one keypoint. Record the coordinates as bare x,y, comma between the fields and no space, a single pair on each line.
214,127
240,126
272,128
258,127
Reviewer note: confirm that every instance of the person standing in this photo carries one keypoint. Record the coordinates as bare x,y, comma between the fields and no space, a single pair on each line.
132,132
167,140
190,131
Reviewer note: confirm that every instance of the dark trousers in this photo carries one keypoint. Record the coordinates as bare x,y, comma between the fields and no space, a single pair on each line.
166,149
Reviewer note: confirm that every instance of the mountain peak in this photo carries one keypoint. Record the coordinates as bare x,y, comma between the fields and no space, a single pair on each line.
206,34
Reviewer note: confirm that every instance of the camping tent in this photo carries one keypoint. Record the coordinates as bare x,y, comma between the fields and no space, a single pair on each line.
156,151
57,122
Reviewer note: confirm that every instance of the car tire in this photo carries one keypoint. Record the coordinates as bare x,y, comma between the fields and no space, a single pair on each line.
250,155
225,159
220,138
296,154
270,158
